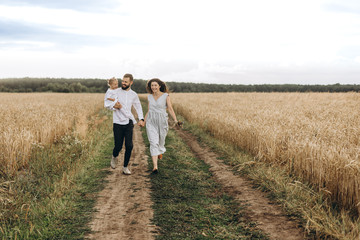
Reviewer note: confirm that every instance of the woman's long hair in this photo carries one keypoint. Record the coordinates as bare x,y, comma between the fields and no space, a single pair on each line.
163,87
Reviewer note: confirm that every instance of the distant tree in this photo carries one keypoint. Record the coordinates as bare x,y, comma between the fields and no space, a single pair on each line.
75,87
100,86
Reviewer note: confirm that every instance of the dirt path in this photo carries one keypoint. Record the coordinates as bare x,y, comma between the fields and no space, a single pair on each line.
268,216
124,206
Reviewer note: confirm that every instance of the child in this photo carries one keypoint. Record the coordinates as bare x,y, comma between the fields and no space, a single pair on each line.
110,95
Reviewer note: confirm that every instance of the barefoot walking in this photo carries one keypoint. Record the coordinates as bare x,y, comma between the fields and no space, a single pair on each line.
156,119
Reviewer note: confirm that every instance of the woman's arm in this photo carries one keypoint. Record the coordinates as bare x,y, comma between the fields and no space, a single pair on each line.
170,108
146,113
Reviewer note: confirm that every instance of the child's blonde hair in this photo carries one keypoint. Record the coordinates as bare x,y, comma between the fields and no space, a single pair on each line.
110,81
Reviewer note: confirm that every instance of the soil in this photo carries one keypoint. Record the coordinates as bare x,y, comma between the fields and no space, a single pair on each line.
268,216
124,206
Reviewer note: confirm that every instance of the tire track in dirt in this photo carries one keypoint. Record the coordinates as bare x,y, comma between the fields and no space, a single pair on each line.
268,216
124,205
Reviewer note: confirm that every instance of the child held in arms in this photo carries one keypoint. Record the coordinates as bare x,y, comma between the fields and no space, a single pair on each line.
110,95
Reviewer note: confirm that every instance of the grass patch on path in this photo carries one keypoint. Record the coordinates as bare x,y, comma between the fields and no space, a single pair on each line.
189,203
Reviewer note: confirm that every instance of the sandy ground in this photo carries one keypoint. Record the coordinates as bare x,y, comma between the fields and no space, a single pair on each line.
268,216
124,206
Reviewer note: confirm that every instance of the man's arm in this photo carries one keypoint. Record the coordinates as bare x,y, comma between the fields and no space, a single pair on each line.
138,108
109,104
117,105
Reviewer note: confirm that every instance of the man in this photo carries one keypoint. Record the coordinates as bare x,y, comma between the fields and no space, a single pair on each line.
123,120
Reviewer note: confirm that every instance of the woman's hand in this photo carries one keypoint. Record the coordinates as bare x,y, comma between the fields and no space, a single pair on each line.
141,123
179,124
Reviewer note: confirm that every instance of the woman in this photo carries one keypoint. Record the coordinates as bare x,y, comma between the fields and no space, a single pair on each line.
156,118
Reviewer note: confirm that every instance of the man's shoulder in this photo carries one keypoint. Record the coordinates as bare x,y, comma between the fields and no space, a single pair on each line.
120,90
133,92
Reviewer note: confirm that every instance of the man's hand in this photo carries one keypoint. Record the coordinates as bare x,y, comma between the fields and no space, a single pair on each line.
117,105
141,123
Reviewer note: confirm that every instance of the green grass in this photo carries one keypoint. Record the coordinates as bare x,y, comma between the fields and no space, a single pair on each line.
189,203
54,197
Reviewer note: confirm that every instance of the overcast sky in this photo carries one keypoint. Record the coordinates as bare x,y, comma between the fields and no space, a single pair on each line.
213,41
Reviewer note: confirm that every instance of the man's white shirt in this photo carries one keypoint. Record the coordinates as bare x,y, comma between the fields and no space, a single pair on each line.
127,99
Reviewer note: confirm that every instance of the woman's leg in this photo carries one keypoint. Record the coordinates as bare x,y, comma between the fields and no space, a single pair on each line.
162,136
155,162
153,136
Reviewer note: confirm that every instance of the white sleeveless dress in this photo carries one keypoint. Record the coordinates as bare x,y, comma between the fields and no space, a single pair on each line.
157,124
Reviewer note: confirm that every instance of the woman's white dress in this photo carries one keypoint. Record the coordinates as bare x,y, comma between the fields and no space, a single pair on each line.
157,124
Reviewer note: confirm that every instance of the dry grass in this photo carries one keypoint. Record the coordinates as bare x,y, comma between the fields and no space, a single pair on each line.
316,135
39,119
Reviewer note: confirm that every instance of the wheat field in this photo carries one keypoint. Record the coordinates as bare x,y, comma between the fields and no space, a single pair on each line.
31,120
315,135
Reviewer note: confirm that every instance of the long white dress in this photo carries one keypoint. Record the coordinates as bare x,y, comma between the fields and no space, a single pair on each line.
157,124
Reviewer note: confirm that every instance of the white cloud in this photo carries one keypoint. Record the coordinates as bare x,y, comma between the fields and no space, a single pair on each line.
357,59
197,40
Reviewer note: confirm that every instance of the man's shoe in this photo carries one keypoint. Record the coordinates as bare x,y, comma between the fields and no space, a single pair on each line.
126,171
113,162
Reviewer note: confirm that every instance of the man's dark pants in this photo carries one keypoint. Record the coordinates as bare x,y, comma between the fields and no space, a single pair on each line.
122,132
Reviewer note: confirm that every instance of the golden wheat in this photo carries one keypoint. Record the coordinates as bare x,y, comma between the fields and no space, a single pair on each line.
33,119
315,134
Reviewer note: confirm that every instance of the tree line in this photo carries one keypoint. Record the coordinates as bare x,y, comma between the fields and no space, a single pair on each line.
75,85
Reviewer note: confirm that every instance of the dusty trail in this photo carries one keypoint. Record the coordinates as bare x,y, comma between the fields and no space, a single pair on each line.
124,206
268,216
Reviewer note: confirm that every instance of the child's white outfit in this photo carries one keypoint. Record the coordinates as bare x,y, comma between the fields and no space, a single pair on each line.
110,93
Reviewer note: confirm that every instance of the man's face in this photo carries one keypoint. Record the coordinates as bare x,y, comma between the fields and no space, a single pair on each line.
126,83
